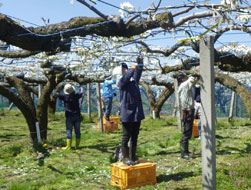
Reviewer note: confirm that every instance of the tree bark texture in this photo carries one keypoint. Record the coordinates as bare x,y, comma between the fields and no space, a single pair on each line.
237,87
154,104
48,38
24,103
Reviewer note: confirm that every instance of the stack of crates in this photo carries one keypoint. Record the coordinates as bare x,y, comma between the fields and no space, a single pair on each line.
109,126
125,177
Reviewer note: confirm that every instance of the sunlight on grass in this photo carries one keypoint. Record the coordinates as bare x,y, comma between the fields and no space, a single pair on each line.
24,167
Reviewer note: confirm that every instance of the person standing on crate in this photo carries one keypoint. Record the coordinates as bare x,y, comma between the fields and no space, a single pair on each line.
131,109
107,95
185,91
72,114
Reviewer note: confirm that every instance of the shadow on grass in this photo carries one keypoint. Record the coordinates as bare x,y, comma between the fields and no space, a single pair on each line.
10,136
103,147
221,137
176,177
233,150
43,151
248,149
167,152
54,169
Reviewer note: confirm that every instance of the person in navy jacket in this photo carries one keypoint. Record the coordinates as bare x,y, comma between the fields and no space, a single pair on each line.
131,109
72,114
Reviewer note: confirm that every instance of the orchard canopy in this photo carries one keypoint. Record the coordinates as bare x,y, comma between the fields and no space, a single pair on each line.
84,49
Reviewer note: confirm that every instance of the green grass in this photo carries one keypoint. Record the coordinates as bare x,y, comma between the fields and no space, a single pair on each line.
23,167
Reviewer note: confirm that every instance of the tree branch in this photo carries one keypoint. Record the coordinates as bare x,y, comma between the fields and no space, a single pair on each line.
193,16
22,54
93,9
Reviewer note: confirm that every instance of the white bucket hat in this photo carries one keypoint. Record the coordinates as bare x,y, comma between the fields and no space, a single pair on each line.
117,70
68,89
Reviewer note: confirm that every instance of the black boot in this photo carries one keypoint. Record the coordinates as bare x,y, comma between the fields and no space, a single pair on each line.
126,160
133,155
107,118
184,150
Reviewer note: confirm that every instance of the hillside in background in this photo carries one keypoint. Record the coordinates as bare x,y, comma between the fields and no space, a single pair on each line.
222,102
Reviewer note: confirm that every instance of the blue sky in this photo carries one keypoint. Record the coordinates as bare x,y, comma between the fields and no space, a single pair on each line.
60,10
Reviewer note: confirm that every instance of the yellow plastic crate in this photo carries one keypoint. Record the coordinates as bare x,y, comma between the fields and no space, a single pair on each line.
107,127
115,119
112,119
124,176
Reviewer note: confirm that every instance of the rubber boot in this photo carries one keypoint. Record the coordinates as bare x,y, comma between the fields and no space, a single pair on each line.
133,155
126,160
186,148
68,145
107,119
183,151
77,143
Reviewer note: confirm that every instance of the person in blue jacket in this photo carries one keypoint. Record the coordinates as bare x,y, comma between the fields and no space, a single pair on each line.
131,109
72,114
108,94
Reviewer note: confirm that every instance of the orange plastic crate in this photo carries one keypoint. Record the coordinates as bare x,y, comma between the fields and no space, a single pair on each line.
112,119
115,119
108,127
124,176
195,131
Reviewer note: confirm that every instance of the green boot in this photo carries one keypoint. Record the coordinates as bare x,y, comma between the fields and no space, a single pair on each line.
68,145
77,143
184,151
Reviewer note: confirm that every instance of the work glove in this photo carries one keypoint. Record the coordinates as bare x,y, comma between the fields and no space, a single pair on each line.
139,59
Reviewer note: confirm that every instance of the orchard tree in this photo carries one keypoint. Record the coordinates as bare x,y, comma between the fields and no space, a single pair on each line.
55,75
107,34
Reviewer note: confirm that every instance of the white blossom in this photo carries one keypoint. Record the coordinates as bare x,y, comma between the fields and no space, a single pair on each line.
125,6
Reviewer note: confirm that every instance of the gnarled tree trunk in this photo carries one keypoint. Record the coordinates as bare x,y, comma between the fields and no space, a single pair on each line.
26,104
156,105
23,101
151,98
237,87
165,93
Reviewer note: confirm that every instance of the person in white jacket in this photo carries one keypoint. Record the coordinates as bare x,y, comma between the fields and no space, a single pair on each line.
185,92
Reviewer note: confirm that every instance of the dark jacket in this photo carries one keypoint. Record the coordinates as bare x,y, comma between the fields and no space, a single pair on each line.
71,103
131,103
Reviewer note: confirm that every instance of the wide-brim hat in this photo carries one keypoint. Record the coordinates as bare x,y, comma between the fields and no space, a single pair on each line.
117,70
68,89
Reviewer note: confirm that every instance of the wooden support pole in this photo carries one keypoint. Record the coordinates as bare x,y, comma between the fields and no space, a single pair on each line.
11,106
177,104
208,113
99,106
38,133
40,89
88,100
231,106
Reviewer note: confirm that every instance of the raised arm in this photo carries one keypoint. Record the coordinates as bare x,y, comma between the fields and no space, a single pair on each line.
126,78
138,69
